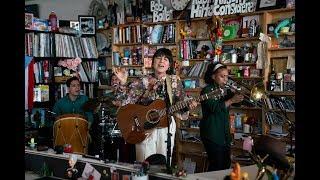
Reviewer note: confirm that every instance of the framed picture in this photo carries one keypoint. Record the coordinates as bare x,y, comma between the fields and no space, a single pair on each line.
87,24
33,9
270,4
74,25
28,20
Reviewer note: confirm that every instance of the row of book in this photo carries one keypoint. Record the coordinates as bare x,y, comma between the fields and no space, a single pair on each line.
39,45
88,71
59,45
130,34
278,103
197,70
71,46
42,71
62,90
159,34
41,93
188,49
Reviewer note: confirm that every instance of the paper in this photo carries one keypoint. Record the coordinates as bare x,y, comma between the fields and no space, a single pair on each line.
90,170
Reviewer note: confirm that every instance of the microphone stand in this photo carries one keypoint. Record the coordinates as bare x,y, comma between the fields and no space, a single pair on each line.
290,124
169,116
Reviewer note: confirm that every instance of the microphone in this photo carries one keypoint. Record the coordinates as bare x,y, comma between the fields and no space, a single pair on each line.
51,112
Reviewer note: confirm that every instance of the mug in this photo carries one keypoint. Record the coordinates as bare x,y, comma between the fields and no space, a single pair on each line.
247,128
187,83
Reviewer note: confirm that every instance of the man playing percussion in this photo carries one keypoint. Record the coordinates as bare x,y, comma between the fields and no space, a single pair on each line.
73,102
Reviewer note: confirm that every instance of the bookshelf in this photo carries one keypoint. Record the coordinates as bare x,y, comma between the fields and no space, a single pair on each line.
279,75
191,60
135,43
56,56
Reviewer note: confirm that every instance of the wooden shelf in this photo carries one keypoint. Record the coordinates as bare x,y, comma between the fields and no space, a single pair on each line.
239,78
105,87
201,154
195,19
245,108
281,49
160,22
161,44
192,89
190,77
282,93
129,24
128,44
194,118
104,55
241,39
187,141
196,39
239,64
103,29
278,110
56,58
133,66
283,34
198,59
281,10
191,129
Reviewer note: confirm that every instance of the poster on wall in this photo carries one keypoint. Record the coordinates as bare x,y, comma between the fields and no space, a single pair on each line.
33,9
270,4
87,24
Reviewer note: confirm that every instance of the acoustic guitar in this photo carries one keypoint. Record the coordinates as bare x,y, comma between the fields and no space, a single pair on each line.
135,120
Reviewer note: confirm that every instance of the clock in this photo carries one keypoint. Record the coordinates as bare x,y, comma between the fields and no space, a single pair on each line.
179,4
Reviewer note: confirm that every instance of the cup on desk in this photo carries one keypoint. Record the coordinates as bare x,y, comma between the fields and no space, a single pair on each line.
247,128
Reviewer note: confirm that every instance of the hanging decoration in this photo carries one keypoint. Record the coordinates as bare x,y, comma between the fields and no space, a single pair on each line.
97,9
215,29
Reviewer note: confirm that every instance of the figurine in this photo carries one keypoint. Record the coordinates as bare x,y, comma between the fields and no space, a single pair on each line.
72,172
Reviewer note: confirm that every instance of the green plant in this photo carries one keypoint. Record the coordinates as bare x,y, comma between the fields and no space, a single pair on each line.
45,170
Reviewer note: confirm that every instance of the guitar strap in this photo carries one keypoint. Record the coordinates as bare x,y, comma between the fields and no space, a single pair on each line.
169,87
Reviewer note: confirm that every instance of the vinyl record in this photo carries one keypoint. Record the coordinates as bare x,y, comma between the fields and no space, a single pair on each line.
229,32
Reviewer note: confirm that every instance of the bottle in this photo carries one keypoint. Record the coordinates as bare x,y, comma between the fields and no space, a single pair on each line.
272,80
53,21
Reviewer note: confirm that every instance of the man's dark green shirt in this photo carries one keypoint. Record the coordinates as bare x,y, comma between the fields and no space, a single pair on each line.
215,125
66,106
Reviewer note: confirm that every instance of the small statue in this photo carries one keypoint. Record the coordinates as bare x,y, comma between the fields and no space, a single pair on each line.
72,172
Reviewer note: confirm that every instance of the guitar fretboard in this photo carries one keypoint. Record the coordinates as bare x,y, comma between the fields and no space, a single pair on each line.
183,104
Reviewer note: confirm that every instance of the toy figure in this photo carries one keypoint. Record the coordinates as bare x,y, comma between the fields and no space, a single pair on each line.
72,172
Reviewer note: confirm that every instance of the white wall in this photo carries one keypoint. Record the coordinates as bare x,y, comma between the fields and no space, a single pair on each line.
65,9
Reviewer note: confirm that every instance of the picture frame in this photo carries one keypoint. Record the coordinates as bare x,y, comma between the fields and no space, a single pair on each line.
270,4
87,24
75,25
28,21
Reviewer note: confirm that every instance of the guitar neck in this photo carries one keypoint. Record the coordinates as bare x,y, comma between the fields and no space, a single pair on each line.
183,104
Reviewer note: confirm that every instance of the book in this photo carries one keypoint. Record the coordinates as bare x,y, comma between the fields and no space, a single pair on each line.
57,71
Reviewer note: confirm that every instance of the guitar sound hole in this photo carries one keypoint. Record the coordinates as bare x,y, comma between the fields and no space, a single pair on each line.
153,116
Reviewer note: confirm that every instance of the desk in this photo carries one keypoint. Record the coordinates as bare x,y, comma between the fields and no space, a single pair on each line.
58,163
219,175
